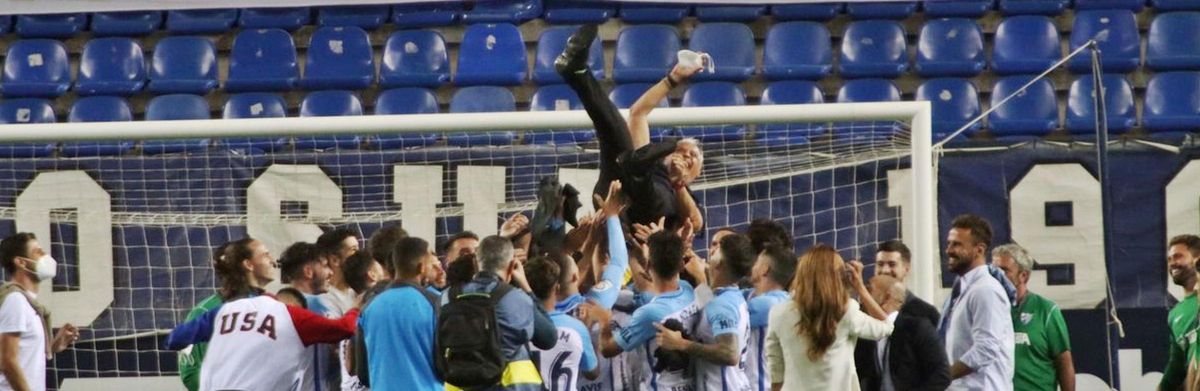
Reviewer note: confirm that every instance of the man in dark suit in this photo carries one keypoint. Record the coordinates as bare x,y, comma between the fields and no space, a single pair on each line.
913,357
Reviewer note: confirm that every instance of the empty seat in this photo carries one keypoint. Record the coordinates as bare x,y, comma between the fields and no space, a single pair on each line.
26,111
175,107
492,54
730,13
1172,44
111,66
654,12
339,58
6,24
331,103
205,21
1174,5
624,96
1025,44
1132,5
503,11
262,60
1172,102
714,93
408,100
36,68
644,53
255,105
731,46
414,58
1115,31
50,25
363,16
1034,7
1118,99
275,18
797,50
1032,113
881,10
551,43
579,11
481,99
874,48
98,109
815,11
790,92
955,102
183,65
950,47
868,90
131,23
557,97
958,8
441,13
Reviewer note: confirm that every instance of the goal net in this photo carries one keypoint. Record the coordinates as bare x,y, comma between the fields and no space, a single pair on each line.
134,229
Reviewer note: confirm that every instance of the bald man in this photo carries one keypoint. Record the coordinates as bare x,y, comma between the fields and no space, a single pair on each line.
912,358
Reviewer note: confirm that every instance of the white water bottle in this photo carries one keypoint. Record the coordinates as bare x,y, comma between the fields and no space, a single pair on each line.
688,58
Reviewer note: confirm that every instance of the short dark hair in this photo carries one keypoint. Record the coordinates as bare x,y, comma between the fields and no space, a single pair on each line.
1191,241
783,264
666,253
456,237
408,254
895,246
383,241
462,270
981,231
331,241
295,294
763,232
12,247
355,269
737,254
295,257
542,272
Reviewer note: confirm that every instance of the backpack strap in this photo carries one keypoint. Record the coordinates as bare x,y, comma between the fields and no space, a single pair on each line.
10,288
502,289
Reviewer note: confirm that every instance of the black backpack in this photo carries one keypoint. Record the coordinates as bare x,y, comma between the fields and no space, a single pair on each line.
467,341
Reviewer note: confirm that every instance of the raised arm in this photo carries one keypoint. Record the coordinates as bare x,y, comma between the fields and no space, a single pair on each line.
639,129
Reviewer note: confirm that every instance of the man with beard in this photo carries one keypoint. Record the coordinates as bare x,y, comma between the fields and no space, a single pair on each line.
1182,253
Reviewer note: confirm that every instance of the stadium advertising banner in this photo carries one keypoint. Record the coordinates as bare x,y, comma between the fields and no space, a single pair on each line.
134,234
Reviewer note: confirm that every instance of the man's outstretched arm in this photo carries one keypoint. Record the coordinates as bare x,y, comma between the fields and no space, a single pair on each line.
639,129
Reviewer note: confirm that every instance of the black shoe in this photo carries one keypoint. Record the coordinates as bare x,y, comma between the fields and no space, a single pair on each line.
574,57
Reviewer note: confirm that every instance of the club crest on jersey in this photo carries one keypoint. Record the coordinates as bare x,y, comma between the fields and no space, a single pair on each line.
1026,317
602,286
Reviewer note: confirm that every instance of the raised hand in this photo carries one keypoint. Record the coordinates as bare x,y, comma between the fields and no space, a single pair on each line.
516,225
611,205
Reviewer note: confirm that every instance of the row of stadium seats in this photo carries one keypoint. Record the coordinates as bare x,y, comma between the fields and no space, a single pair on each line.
494,54
1169,107
517,11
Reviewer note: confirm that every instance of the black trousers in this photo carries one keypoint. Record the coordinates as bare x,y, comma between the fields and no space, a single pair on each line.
612,133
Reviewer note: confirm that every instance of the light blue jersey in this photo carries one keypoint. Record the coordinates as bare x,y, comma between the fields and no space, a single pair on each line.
574,353
725,314
608,287
679,305
756,357
623,371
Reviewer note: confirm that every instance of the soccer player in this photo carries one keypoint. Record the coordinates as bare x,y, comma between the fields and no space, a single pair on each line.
573,353
398,325
361,273
25,340
1043,350
1182,253
772,272
611,277
464,242
655,176
305,266
721,336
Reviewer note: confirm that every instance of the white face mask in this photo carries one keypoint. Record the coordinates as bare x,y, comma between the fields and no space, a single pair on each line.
46,269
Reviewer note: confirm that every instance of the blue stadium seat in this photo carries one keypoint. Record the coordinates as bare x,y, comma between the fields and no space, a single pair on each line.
958,8
654,12
866,90
408,100
624,95
262,60
330,103
26,111
578,11
36,68
98,109
111,66
874,48
183,65
731,46
255,105
551,43
790,92
339,58
126,24
797,50
1033,113
729,13
1174,5
950,47
6,24
1033,7
368,17
289,19
1118,99
714,93
881,10
1171,44
414,58
1171,102
645,53
50,25
175,107
1025,44
1117,33
818,11
413,15
492,54
503,11
481,99
955,102
557,97
205,21
1132,5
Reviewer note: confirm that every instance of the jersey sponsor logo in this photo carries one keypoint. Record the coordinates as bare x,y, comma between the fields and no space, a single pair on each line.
1021,338
249,322
1026,317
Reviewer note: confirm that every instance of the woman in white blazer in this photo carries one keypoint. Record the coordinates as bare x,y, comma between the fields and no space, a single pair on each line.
810,339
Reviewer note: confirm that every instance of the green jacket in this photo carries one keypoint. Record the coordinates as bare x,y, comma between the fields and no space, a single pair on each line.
190,358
